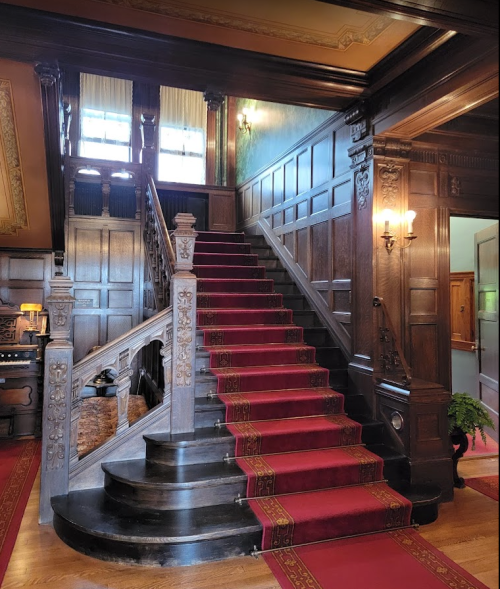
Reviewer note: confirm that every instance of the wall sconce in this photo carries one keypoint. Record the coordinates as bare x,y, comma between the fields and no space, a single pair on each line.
388,216
245,120
33,309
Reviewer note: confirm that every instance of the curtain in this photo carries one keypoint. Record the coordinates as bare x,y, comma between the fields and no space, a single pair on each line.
182,108
107,94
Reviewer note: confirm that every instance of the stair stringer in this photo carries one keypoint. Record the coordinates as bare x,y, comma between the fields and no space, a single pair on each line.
333,325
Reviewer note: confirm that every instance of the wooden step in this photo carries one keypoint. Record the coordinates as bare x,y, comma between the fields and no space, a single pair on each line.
94,524
140,483
201,446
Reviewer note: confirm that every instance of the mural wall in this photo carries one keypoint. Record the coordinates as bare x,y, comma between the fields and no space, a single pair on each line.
275,128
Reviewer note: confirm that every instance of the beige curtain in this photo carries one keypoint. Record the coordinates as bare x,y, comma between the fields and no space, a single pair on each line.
107,94
182,108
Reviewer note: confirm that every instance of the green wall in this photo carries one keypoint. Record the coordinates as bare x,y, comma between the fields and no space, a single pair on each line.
275,129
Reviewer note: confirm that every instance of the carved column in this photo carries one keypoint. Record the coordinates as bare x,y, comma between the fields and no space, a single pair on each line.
57,399
105,190
183,298
148,128
49,76
361,155
123,383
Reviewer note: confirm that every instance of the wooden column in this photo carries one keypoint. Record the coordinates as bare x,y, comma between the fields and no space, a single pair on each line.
57,402
183,300
49,84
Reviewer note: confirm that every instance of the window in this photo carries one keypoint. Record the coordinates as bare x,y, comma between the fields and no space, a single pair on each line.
183,122
105,117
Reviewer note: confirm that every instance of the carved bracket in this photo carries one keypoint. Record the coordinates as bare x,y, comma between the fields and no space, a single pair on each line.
358,121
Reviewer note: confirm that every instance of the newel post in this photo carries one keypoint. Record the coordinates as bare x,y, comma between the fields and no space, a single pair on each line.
57,398
183,297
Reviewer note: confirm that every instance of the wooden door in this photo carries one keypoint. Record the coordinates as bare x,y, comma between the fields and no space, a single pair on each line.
486,302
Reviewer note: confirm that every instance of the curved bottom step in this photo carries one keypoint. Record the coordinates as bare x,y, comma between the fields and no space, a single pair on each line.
93,524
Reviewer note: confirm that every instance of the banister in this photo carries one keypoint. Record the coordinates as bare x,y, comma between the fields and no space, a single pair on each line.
392,358
160,221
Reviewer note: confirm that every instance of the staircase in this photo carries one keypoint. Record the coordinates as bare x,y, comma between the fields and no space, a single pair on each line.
291,459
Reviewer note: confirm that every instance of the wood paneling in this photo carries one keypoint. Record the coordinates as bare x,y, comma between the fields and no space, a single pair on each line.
104,261
320,261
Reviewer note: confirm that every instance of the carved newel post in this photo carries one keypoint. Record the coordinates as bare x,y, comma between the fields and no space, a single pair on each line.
183,297
57,398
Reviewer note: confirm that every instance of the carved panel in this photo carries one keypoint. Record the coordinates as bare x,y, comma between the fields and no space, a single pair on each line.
320,261
322,164
266,187
320,202
288,242
118,325
121,256
88,255
13,212
278,186
290,180
22,268
423,182
303,171
302,250
423,359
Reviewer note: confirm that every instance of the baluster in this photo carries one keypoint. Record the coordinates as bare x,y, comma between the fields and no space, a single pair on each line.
123,383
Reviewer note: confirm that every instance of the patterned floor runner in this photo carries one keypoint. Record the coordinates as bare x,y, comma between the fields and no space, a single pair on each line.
309,477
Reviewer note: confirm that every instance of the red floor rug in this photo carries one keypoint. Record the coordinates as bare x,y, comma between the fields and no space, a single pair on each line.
309,478
390,560
481,450
19,462
486,485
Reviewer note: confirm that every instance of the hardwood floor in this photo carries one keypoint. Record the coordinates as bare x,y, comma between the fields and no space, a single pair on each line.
466,531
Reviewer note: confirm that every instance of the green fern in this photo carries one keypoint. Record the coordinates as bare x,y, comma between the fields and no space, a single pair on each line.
467,414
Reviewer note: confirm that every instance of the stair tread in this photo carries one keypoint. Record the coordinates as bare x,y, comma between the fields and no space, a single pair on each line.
143,473
200,436
93,511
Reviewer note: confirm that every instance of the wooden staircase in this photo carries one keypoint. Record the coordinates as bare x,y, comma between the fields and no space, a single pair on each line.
177,506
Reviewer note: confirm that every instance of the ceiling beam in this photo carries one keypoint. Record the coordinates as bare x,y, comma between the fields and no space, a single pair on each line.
460,76
93,47
478,18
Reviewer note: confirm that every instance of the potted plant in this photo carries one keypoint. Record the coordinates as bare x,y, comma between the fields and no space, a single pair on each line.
466,415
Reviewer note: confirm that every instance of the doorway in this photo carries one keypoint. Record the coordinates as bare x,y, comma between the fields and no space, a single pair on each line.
464,368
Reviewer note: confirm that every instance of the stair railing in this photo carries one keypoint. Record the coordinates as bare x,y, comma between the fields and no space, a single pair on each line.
160,256
393,364
174,326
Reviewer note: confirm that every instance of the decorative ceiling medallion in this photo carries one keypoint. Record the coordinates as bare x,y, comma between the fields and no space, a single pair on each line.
13,214
340,42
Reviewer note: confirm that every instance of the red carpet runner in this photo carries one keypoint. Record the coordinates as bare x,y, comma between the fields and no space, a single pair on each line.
19,462
487,485
309,477
390,560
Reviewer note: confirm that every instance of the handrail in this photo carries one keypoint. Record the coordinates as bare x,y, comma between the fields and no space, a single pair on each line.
160,255
158,213
392,357
118,355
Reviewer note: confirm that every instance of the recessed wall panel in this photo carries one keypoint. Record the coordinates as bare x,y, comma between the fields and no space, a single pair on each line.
88,250
118,325
121,256
26,269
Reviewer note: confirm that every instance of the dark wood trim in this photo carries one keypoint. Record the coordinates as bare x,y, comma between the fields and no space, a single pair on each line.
471,18
417,47
90,46
49,76
211,146
460,73
231,141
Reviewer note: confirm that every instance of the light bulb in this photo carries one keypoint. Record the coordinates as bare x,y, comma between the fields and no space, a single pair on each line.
410,216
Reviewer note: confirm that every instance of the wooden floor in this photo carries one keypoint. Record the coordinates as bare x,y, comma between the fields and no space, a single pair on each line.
466,531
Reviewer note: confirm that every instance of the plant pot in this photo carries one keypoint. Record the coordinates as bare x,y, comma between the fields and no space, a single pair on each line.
458,438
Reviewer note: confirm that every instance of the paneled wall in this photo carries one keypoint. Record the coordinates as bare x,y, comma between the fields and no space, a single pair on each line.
441,183
24,277
104,261
304,202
